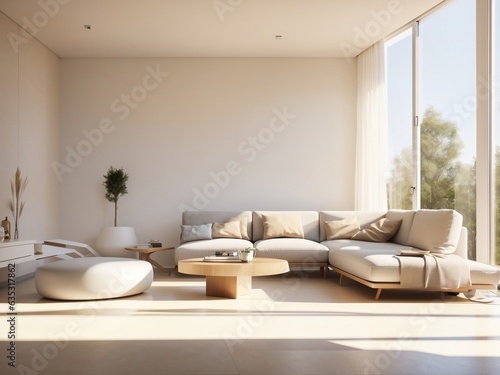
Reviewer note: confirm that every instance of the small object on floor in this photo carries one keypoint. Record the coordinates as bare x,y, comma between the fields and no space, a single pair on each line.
476,296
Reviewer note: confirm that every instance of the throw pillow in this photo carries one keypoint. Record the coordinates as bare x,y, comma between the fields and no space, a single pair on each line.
243,226
231,229
288,225
339,229
380,231
436,230
196,232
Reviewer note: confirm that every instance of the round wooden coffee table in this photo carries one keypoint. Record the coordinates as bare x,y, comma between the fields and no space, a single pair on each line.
230,280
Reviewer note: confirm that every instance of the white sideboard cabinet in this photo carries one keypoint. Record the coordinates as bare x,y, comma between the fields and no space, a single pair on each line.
16,252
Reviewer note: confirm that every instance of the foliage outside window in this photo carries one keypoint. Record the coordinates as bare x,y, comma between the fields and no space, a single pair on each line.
445,181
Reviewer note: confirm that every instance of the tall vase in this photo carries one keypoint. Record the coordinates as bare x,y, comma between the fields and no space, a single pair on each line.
112,242
16,232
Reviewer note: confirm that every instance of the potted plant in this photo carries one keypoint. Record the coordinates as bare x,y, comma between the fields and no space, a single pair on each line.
248,254
115,182
112,241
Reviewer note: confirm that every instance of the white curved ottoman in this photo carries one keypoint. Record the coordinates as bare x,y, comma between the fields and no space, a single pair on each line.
93,278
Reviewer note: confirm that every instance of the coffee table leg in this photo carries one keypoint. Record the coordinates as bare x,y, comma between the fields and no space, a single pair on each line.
228,286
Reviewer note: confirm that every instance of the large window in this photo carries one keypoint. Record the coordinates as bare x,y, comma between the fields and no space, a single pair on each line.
399,116
436,169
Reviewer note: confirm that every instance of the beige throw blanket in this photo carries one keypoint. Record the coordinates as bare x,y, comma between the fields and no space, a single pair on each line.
434,271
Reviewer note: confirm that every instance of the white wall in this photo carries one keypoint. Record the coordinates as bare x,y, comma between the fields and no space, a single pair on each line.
174,124
29,133
29,137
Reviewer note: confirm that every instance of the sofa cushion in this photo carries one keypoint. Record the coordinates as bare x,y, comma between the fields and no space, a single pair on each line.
345,228
231,229
310,223
199,249
436,230
282,225
196,232
372,261
481,273
380,231
294,250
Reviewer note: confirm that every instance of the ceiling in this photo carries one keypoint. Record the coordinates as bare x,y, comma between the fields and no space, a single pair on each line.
211,28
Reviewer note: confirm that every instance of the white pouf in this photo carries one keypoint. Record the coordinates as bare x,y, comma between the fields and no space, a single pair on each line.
93,278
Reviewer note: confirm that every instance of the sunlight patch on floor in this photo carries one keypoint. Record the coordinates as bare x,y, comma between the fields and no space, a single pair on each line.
293,326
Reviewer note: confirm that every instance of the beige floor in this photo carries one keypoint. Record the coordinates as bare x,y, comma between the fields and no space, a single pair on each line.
293,324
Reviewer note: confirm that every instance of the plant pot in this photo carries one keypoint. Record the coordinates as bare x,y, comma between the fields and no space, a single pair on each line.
112,242
246,256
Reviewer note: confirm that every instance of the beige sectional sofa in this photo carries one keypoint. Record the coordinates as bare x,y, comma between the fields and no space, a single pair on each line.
325,239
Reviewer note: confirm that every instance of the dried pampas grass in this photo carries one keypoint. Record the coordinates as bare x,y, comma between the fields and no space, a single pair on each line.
16,206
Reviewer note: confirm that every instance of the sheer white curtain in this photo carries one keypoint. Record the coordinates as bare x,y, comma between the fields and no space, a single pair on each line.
371,142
